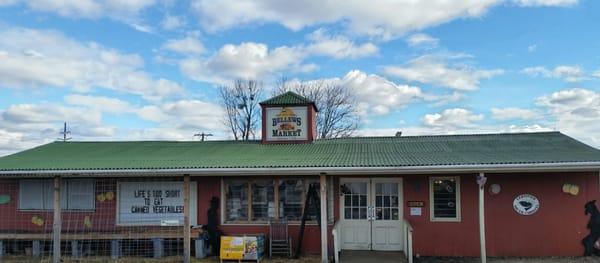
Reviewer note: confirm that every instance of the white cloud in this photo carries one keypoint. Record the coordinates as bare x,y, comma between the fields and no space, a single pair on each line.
141,27
33,58
338,46
430,130
91,8
377,95
380,18
187,46
48,113
8,2
246,61
576,112
512,113
532,48
27,125
596,74
531,3
170,22
565,72
99,103
456,117
433,69
423,40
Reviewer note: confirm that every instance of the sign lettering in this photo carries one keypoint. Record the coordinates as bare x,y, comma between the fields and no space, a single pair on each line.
150,203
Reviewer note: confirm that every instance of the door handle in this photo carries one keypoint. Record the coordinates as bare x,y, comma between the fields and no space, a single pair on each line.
371,213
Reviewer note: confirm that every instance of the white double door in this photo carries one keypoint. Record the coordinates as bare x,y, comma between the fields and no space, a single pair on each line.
371,214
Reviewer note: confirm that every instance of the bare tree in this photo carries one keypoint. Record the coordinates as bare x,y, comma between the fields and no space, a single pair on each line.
338,116
242,112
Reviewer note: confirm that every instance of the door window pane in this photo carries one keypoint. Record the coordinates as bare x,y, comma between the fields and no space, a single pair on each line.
386,201
355,200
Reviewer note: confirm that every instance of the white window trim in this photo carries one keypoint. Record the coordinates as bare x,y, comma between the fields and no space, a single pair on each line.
263,223
64,209
432,217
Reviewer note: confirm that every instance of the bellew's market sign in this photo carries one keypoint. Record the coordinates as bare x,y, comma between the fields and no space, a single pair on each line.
287,123
154,203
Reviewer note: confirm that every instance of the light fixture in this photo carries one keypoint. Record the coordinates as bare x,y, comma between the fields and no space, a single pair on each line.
495,189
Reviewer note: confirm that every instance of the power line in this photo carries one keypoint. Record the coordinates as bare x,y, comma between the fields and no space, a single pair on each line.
65,133
202,135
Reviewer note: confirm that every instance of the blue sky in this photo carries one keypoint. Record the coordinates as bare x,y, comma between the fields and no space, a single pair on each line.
149,69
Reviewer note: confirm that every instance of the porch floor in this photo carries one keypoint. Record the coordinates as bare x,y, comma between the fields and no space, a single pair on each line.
359,256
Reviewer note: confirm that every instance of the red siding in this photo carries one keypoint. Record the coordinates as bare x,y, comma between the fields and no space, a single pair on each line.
555,230
12,219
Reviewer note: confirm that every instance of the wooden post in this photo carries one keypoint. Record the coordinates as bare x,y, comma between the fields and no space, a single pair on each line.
323,194
57,223
481,182
186,219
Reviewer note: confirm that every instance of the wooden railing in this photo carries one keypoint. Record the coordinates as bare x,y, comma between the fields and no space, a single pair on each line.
336,242
408,241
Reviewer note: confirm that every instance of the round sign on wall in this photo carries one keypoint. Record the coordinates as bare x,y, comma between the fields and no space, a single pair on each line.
526,204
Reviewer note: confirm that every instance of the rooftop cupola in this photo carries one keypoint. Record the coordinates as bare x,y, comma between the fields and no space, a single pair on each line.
288,118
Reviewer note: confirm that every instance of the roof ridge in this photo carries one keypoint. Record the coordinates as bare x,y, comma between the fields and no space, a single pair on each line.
443,135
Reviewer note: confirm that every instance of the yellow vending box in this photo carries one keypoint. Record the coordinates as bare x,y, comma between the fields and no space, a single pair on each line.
247,247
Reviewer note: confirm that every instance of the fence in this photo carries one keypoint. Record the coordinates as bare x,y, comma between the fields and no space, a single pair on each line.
77,218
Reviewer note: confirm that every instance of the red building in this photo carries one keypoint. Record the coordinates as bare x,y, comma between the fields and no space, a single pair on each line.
373,189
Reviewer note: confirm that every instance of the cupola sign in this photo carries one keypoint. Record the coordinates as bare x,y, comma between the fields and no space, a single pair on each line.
286,123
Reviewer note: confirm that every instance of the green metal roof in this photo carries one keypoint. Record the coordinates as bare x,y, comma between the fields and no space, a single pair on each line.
414,151
288,98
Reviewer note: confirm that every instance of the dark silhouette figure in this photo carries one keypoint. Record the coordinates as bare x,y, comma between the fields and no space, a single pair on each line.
214,235
594,225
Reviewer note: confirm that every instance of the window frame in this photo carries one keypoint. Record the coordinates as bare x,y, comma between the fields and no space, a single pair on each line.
432,216
64,194
276,181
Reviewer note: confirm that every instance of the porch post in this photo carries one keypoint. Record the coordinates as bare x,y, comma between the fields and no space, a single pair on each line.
481,179
323,195
186,218
57,222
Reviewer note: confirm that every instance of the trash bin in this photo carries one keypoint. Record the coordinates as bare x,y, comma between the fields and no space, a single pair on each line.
201,252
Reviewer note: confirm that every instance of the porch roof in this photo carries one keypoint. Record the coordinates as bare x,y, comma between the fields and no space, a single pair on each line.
365,152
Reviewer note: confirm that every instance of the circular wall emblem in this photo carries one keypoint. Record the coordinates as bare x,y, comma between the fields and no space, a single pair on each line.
526,204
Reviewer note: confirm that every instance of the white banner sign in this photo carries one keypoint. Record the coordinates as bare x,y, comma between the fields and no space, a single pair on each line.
287,123
154,203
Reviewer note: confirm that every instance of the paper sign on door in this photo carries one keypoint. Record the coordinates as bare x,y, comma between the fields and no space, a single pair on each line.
415,211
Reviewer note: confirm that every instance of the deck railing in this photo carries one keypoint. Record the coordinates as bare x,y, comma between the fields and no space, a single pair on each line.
408,241
336,242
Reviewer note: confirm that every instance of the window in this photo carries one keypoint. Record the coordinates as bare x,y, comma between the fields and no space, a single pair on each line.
237,200
292,196
76,194
444,198
263,204
248,201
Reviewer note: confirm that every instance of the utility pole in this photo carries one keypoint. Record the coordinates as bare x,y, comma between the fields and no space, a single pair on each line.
65,133
202,135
